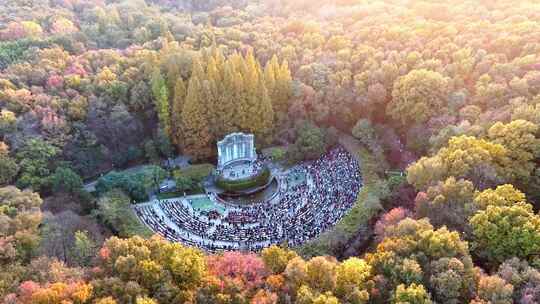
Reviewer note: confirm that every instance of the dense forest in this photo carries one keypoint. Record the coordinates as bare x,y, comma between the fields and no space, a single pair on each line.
441,99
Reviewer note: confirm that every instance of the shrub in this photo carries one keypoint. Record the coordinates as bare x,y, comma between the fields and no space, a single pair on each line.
114,211
135,183
276,153
189,179
196,172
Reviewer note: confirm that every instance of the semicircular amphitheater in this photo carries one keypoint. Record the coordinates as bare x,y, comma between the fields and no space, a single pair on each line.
251,202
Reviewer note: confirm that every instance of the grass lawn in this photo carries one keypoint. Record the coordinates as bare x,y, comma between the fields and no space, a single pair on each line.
205,204
168,195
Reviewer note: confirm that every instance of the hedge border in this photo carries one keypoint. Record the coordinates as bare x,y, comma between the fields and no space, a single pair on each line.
243,184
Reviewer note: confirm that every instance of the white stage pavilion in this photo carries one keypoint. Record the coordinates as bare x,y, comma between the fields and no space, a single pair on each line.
236,156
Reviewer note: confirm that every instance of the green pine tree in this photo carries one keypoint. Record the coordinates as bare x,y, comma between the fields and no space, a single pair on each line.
180,92
282,92
161,101
197,136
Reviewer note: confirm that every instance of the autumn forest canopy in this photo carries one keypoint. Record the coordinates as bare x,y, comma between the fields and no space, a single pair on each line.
439,101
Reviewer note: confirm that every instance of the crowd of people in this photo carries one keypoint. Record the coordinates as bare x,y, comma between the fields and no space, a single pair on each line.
300,210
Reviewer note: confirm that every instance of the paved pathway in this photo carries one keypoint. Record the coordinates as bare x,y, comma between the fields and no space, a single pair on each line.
90,187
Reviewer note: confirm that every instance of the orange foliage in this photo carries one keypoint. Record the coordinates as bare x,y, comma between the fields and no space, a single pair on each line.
31,293
243,269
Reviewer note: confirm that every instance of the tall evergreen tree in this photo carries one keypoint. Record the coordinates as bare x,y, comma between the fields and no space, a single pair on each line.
225,104
257,113
197,135
227,95
270,75
265,114
180,92
209,98
197,70
161,100
240,103
210,95
282,91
